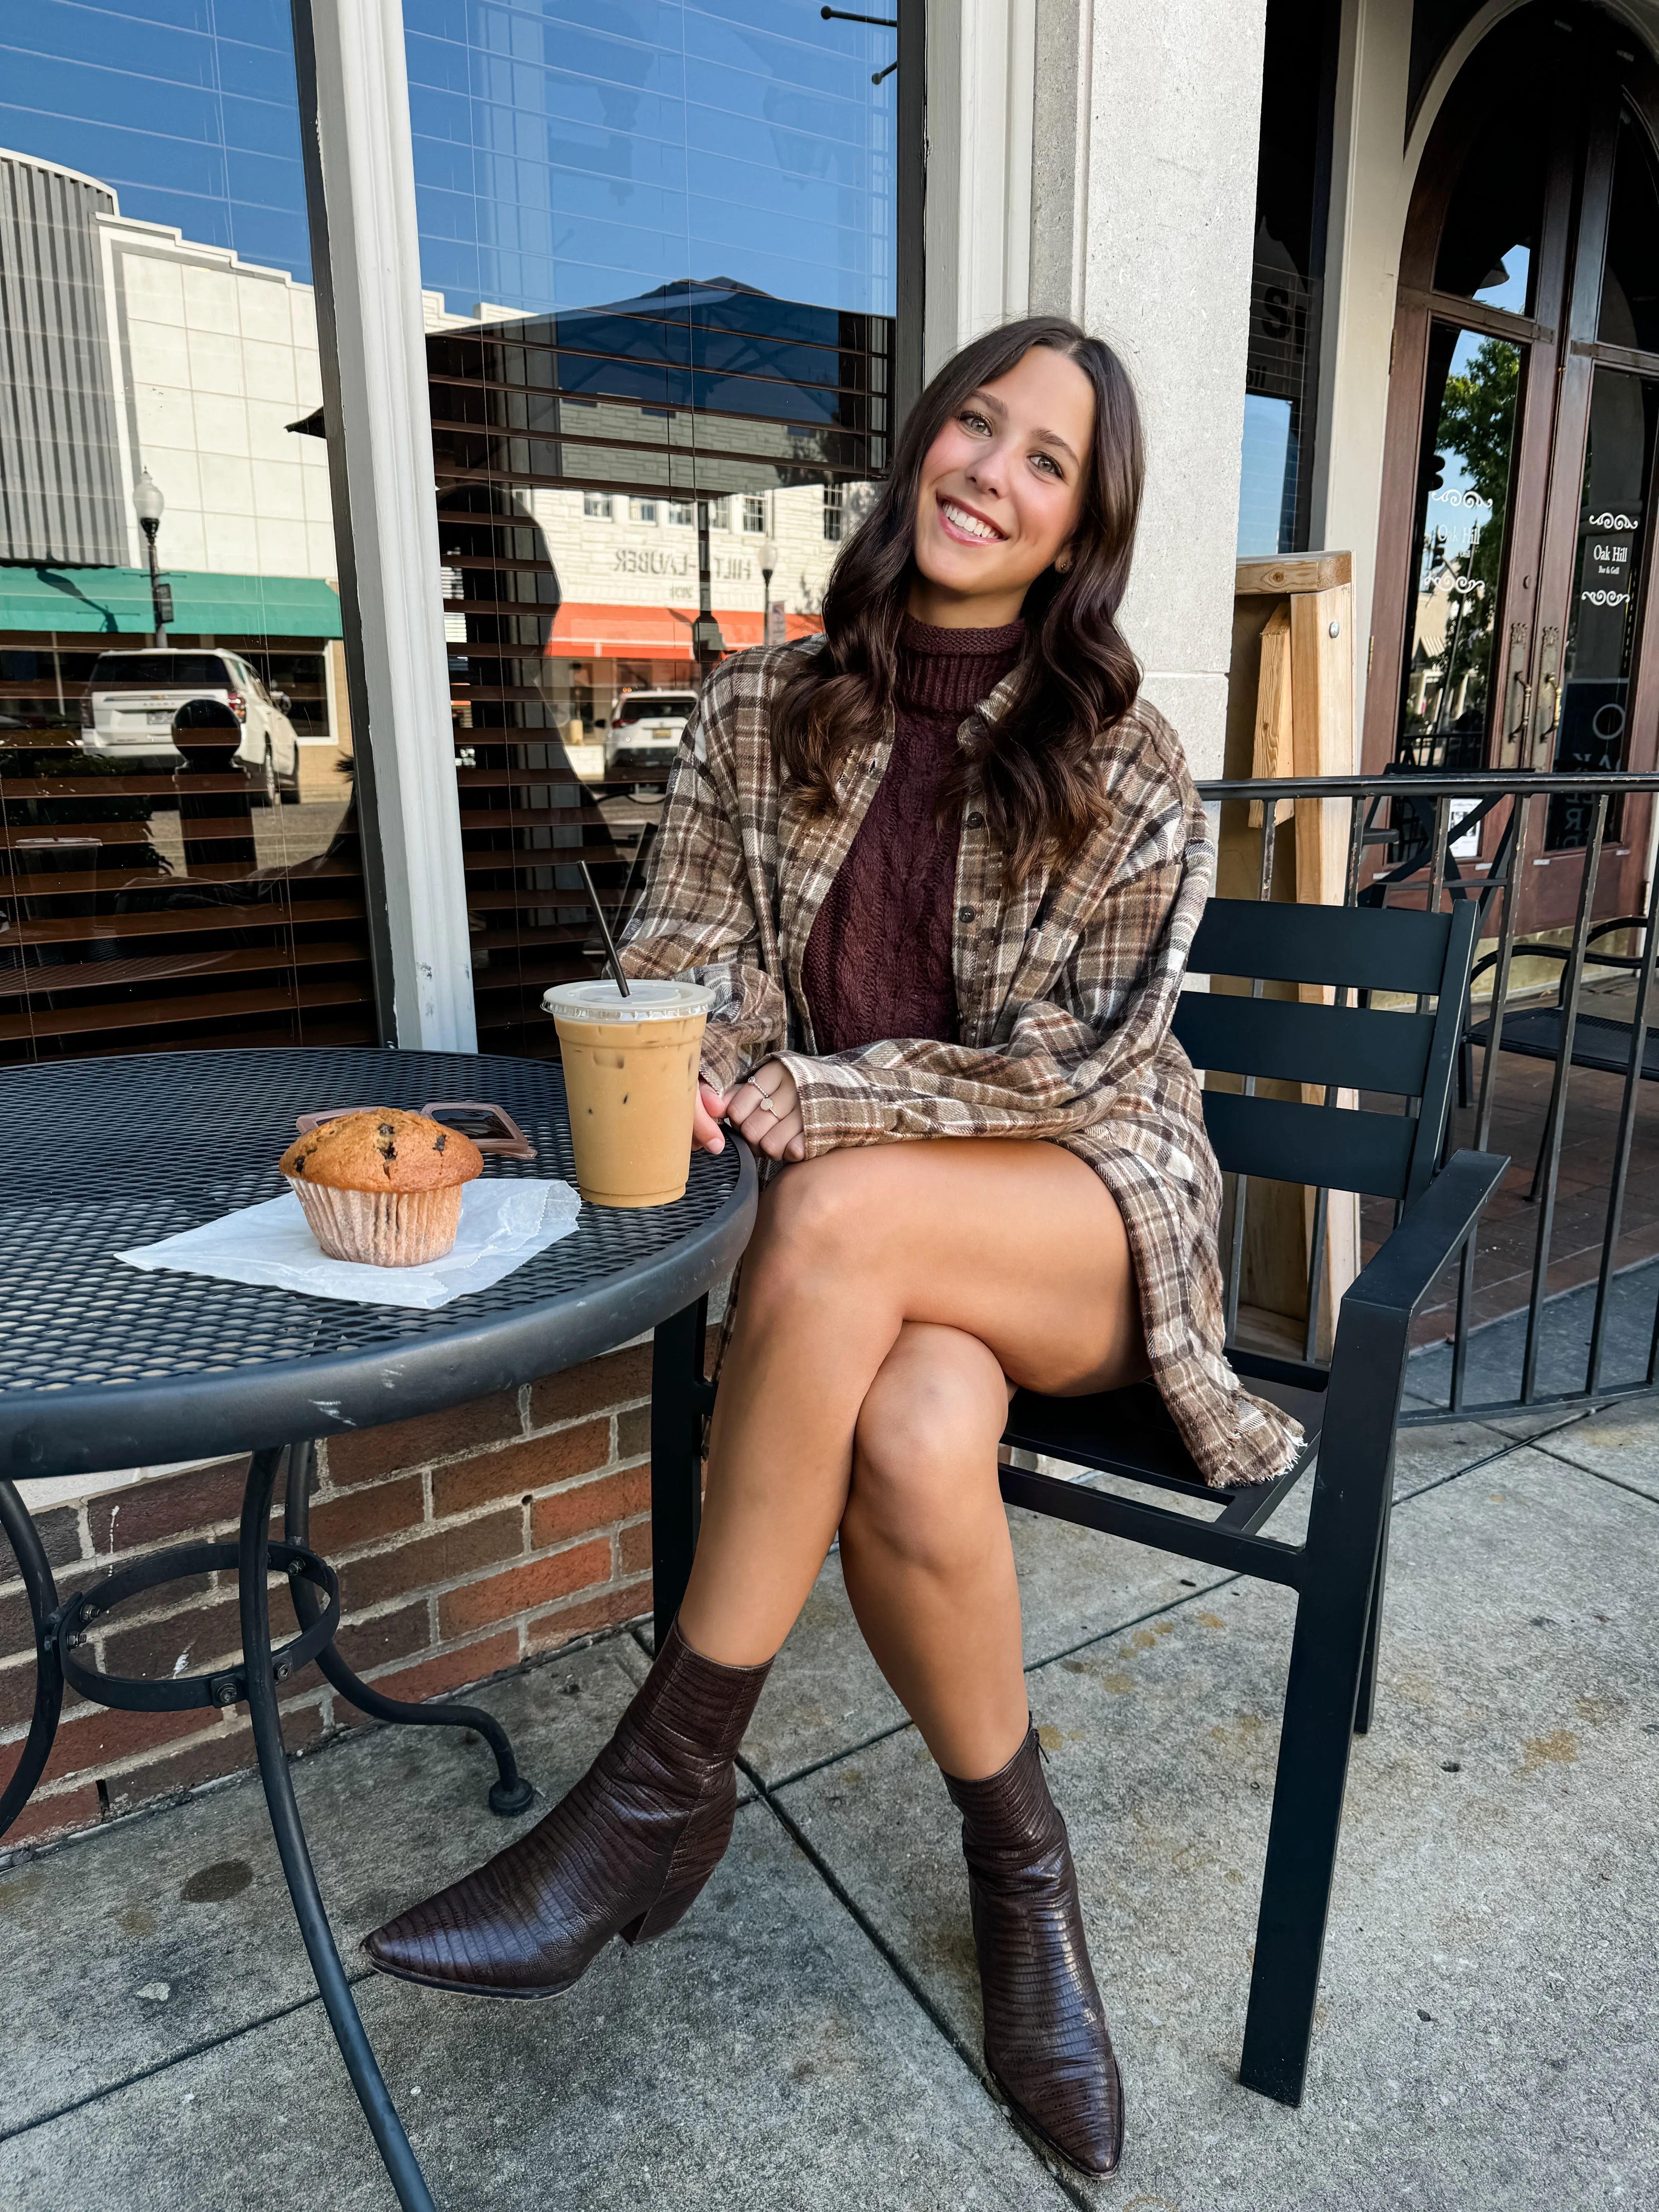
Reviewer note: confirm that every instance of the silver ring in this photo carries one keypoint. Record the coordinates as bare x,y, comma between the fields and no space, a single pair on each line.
769,1107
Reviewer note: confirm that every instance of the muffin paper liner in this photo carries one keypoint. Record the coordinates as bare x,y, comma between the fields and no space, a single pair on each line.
381,1227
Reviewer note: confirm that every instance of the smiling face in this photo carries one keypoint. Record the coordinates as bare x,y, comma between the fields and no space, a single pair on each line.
1000,492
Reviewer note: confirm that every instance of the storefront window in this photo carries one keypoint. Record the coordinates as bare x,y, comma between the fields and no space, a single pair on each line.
179,855
1281,380
658,245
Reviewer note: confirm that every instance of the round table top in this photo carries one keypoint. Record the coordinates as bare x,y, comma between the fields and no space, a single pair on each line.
108,1366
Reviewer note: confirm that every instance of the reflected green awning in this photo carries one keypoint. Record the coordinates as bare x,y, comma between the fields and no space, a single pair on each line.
116,602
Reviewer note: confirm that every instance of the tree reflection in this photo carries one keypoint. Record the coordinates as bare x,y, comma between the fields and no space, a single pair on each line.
1450,677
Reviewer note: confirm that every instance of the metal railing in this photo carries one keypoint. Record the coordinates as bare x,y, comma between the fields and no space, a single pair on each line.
1422,840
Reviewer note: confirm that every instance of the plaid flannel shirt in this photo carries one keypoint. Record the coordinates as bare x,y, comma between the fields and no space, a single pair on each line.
1066,985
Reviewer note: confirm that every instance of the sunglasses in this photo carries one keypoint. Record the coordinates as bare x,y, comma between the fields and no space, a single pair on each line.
491,1129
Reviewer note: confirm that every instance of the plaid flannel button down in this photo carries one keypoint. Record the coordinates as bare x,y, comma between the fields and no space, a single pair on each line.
1066,985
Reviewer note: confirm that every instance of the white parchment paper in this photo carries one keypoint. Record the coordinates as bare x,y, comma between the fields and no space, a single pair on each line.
504,1222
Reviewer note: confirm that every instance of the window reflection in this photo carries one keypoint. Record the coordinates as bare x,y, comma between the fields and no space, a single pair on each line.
1281,377
1488,245
178,852
1462,508
1629,276
659,252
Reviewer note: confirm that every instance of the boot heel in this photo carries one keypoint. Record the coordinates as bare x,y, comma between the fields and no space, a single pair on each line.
672,1906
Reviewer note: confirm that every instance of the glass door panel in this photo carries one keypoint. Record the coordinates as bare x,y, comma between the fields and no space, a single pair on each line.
1450,681
1487,247
1629,314
1601,626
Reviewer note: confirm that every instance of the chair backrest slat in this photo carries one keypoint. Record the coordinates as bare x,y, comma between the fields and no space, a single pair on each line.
1368,948
1405,953
1355,1049
1327,1145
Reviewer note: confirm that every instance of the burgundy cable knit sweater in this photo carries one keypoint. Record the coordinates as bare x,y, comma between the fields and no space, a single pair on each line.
877,962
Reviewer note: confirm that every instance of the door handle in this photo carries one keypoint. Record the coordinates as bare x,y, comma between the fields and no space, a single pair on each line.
1512,734
1549,707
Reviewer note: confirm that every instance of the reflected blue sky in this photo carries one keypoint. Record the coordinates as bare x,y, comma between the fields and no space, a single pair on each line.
584,150
565,153
188,107
1510,291
1264,467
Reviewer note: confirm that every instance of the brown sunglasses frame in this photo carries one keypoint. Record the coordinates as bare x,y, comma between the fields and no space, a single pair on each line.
510,1144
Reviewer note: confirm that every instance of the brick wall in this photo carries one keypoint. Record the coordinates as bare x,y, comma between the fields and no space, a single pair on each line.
466,1543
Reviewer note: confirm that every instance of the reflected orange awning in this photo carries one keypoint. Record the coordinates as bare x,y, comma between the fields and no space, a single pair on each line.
584,631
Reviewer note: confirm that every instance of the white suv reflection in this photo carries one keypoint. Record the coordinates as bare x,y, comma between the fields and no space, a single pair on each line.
129,706
646,729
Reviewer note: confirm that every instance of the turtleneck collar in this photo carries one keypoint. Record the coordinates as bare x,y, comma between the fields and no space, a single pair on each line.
949,670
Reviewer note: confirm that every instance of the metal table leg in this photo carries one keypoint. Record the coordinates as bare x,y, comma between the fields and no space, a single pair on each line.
25,1540
384,2124
510,1792
681,1398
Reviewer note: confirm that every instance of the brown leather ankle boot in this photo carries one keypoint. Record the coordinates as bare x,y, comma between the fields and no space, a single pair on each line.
623,1854
1046,2039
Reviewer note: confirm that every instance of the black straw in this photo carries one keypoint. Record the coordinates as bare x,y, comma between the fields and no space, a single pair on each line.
610,952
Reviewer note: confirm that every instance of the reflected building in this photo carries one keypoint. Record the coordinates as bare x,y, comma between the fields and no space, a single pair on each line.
127,348
158,901
571,452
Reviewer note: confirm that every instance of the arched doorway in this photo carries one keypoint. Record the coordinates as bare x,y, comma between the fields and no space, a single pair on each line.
1515,552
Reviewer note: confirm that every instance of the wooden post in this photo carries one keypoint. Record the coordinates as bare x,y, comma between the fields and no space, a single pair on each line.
1291,713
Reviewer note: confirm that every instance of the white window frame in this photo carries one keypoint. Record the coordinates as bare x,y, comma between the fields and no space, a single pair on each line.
380,471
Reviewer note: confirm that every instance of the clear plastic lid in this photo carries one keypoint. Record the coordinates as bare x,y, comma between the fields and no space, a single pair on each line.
646,1002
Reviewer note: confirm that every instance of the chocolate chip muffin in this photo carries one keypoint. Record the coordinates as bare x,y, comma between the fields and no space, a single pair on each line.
383,1186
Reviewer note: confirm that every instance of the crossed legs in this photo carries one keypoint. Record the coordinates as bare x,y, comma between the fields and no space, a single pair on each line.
889,1297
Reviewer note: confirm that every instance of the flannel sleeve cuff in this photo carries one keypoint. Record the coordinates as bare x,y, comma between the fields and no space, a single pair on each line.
723,1057
841,1107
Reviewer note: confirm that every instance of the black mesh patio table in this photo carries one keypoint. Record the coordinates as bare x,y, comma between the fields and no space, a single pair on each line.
109,1367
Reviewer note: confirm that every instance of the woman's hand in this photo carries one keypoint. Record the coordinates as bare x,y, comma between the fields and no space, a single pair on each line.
766,1110
709,1111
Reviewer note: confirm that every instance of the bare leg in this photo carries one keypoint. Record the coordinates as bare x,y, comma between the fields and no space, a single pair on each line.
1016,1246
925,1548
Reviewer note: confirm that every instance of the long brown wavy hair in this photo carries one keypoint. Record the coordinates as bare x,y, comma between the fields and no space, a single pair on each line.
1076,675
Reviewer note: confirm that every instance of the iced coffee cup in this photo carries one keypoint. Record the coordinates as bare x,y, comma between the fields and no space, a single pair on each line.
630,1082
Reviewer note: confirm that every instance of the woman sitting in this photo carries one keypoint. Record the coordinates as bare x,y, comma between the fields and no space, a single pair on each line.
943,869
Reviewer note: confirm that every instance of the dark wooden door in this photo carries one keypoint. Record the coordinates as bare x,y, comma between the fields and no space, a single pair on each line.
1514,551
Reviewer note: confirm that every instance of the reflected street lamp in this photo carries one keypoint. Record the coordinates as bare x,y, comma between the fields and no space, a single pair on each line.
769,560
148,504
707,646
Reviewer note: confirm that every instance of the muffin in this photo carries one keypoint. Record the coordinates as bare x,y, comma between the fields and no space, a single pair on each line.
382,1187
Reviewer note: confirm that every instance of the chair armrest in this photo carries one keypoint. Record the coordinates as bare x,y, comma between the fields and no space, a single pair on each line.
1606,928
1522,950
1399,1279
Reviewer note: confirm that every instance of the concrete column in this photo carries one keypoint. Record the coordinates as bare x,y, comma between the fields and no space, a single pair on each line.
1060,138
1167,200
386,511
1097,158
981,62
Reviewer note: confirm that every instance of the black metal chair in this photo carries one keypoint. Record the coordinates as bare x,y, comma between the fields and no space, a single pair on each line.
1349,1411
1536,1031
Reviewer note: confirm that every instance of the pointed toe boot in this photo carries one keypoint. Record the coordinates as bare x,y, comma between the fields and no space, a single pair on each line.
623,1854
1046,2039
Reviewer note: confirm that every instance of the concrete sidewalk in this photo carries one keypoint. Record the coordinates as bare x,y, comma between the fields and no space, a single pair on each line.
807,2038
